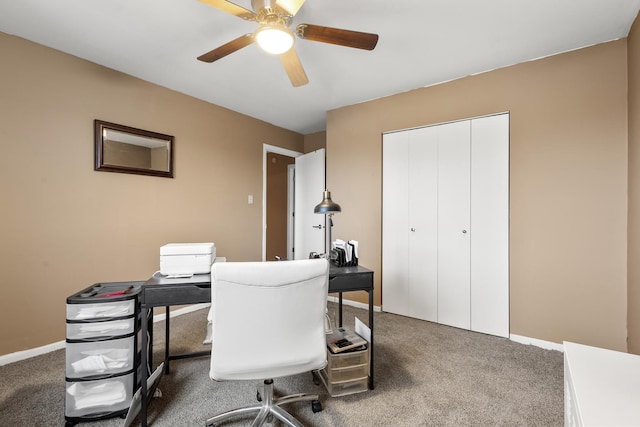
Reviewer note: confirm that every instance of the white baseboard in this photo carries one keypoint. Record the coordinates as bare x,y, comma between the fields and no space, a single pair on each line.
547,345
33,352
179,312
354,303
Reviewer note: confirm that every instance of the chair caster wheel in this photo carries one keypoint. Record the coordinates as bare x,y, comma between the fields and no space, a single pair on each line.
316,406
258,396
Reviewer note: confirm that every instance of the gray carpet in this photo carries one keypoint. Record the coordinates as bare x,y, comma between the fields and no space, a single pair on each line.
426,375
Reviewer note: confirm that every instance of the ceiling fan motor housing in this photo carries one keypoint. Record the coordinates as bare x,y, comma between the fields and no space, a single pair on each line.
275,37
270,6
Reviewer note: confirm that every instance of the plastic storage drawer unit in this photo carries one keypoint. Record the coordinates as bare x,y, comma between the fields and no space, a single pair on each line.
106,310
346,373
102,367
99,397
344,388
113,356
85,330
347,359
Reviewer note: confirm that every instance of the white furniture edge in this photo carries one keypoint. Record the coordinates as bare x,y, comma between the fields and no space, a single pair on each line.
601,386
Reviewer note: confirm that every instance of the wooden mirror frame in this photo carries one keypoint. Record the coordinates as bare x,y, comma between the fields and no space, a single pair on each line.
131,150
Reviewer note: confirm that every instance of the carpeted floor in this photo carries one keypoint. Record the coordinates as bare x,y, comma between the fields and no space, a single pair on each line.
426,375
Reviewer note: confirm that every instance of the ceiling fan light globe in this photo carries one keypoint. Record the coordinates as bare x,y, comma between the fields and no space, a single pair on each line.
274,40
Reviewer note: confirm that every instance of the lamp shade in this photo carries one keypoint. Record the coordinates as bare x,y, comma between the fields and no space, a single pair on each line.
274,40
327,205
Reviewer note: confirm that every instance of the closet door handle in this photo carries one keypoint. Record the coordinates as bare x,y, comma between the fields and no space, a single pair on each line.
464,231
413,229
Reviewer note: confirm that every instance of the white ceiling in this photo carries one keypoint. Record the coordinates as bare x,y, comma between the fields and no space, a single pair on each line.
422,42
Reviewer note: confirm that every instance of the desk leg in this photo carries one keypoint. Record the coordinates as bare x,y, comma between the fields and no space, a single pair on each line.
340,309
145,368
166,341
371,383
149,319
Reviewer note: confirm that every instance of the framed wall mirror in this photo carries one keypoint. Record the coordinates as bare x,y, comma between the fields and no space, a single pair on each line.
125,149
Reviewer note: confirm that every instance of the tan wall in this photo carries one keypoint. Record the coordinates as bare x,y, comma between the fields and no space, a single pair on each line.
633,292
568,183
315,141
65,226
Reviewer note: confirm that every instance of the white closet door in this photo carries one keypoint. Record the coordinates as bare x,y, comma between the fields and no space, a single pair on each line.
395,223
454,302
490,223
423,223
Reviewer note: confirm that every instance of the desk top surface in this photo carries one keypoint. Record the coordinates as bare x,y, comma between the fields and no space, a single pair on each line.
196,279
336,271
205,279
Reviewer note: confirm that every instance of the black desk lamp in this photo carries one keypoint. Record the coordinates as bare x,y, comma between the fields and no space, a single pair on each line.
327,207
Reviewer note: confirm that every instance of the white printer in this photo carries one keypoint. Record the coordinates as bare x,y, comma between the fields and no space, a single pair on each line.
183,259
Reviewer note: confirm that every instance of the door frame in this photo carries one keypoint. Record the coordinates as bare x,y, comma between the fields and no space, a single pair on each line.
266,148
291,208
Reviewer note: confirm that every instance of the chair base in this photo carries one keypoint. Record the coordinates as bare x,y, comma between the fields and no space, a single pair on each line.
269,406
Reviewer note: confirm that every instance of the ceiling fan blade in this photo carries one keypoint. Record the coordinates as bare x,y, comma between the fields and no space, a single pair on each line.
226,49
291,6
293,67
337,36
231,8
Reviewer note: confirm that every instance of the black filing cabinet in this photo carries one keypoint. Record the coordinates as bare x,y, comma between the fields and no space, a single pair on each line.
102,351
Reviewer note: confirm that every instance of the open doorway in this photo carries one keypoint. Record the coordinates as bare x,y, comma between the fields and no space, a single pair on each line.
280,181
278,202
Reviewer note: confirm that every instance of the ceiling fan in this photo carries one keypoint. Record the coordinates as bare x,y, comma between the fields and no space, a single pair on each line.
274,35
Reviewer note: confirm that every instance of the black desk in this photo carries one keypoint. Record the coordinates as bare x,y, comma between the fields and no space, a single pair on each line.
160,291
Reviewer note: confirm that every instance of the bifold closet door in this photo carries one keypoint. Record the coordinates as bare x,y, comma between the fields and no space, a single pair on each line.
395,223
454,224
490,222
445,240
409,223
423,224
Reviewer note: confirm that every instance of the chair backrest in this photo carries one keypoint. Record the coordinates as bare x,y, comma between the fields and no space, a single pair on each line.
268,318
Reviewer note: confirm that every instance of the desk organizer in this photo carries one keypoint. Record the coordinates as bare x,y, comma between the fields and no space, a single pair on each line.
346,373
102,366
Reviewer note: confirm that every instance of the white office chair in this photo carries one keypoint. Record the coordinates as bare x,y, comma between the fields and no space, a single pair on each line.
268,322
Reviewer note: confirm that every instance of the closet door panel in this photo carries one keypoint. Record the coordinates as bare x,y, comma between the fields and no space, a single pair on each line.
454,225
490,224
423,224
395,223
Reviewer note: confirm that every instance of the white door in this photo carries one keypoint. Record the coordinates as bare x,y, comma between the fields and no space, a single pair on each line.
309,229
445,240
490,220
423,224
454,280
395,223
409,223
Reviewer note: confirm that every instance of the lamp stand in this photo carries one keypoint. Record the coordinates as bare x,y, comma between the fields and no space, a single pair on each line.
327,235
